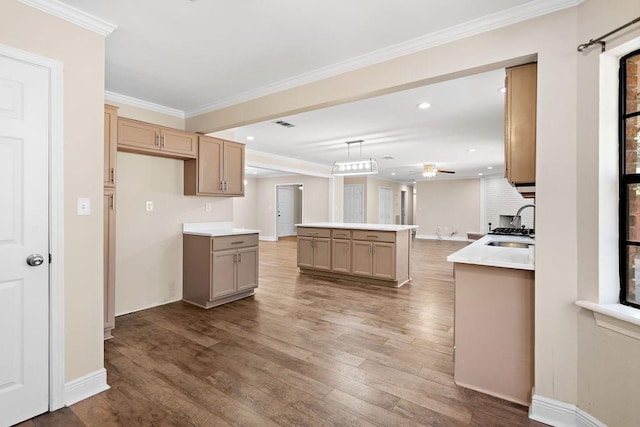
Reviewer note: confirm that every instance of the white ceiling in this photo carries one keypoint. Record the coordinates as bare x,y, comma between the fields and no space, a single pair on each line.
193,56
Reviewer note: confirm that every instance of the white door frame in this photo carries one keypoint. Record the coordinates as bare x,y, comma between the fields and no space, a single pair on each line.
275,204
56,219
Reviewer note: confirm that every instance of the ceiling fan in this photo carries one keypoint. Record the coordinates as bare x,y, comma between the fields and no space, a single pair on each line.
429,170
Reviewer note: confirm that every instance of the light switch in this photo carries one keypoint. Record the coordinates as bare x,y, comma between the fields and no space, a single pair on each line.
149,205
84,206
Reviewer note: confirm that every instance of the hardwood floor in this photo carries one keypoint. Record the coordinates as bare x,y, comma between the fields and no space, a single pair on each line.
303,351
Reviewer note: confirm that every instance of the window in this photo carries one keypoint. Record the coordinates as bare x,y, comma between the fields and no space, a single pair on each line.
629,211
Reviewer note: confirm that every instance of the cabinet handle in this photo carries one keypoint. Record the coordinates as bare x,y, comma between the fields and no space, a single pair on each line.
113,176
235,258
313,232
164,140
239,258
374,250
226,186
238,242
370,236
112,198
158,140
221,185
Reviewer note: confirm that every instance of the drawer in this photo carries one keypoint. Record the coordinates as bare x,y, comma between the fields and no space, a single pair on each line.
314,232
341,234
374,236
233,242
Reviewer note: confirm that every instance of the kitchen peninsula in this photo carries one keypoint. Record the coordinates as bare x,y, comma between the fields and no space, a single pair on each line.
372,253
494,316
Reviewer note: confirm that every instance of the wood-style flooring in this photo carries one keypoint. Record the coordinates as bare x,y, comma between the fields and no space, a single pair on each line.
302,352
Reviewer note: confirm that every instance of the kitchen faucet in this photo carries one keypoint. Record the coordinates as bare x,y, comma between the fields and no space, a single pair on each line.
515,217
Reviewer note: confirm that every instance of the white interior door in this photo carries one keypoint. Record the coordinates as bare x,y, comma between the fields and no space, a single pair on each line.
353,203
385,205
285,212
24,222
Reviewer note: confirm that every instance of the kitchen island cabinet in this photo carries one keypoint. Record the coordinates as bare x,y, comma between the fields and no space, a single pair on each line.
373,253
219,265
494,319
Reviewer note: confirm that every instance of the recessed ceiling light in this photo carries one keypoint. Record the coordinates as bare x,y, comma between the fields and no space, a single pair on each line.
414,182
424,105
502,90
471,150
250,138
393,173
490,167
480,174
254,172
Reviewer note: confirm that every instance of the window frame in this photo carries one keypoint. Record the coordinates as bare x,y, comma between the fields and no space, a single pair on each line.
625,179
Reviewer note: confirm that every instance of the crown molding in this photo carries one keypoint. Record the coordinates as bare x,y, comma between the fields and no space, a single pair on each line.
73,15
135,102
490,22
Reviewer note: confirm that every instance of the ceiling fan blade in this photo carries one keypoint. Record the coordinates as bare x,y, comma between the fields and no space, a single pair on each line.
442,171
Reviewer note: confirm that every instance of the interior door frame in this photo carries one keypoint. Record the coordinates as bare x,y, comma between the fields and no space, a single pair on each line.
293,202
362,202
275,204
56,218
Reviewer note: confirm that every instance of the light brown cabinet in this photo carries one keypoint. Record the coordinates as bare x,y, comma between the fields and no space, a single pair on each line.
220,269
110,145
314,248
520,127
109,253
373,256
218,169
341,251
145,138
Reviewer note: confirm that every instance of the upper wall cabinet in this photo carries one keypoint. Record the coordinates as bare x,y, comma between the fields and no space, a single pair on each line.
110,142
145,138
218,169
520,127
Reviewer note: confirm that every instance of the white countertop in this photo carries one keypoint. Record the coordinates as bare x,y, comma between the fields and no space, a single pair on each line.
495,256
214,229
358,226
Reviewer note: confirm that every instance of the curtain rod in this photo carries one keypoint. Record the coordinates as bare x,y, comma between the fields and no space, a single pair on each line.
600,40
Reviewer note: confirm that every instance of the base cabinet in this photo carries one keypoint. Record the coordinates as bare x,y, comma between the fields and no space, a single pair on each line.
217,270
378,257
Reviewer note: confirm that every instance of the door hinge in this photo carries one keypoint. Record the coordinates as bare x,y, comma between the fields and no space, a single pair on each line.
49,258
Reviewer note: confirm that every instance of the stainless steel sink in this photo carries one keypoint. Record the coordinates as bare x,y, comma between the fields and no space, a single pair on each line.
507,244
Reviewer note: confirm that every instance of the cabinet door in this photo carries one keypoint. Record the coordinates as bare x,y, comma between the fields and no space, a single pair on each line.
223,275
109,215
233,168
247,266
178,142
520,124
305,252
340,256
361,258
140,135
210,165
384,260
110,145
322,253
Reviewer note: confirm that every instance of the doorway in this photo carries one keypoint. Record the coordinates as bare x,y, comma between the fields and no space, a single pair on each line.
32,354
385,205
404,207
353,203
288,209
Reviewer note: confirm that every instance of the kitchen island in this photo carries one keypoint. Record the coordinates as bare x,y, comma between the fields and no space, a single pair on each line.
372,253
494,317
219,264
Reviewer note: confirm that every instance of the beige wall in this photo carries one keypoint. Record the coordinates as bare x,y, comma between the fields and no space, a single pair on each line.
452,207
608,372
552,39
82,55
244,208
315,197
149,244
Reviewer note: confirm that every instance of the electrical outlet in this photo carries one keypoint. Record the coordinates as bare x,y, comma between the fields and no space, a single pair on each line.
148,206
84,206
207,207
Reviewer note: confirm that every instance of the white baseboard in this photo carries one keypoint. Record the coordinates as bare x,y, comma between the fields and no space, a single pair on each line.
560,414
436,237
268,238
86,386
155,304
